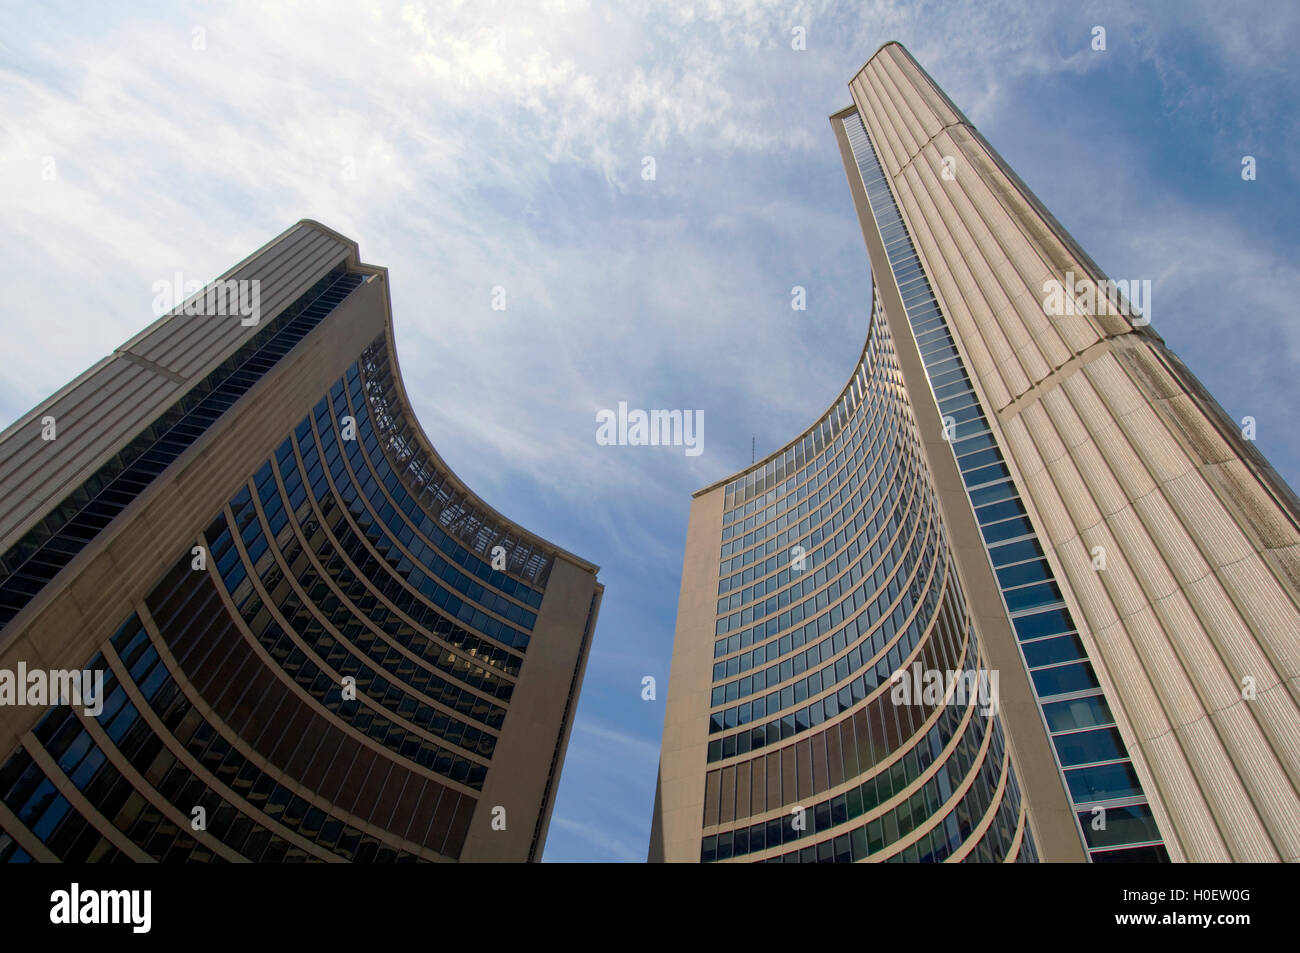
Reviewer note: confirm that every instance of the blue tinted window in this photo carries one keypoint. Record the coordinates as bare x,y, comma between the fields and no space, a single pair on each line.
1008,529
1078,713
1050,651
1015,552
1155,854
1043,623
1031,597
1103,782
1035,571
1085,747
1124,825
1066,678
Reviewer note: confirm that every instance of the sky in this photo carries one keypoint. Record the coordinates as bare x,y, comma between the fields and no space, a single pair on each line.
477,146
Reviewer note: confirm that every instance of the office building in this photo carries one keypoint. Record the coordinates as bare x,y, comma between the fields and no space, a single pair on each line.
1020,481
315,643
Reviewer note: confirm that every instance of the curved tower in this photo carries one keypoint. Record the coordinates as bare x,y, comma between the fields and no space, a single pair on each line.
1021,478
272,624
823,570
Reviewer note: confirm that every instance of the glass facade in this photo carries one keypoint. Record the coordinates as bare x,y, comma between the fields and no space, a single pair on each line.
1114,819
36,558
835,574
332,683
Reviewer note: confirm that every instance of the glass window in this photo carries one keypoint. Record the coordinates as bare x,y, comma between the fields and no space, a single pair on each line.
1007,529
1103,782
1031,597
1078,713
1050,651
1051,622
1065,678
990,494
1085,747
1133,855
1000,511
1130,824
1018,575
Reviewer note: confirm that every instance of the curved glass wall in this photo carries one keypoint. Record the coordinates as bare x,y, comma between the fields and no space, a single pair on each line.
34,560
835,575
330,685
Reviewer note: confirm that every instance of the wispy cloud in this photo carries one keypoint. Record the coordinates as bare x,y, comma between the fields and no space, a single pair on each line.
621,741
469,146
611,847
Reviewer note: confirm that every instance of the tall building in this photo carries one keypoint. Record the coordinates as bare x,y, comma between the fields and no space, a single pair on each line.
315,642
1020,481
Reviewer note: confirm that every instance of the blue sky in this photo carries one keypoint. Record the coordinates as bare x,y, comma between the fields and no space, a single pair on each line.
502,145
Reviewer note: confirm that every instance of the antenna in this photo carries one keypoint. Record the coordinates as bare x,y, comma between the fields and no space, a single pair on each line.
752,458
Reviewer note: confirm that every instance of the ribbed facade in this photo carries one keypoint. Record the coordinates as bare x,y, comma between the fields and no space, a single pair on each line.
1096,767
312,635
1129,561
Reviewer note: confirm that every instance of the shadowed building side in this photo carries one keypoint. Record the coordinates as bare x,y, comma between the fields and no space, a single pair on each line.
316,643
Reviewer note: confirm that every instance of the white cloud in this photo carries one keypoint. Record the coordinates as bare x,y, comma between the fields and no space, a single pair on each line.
501,145
599,838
